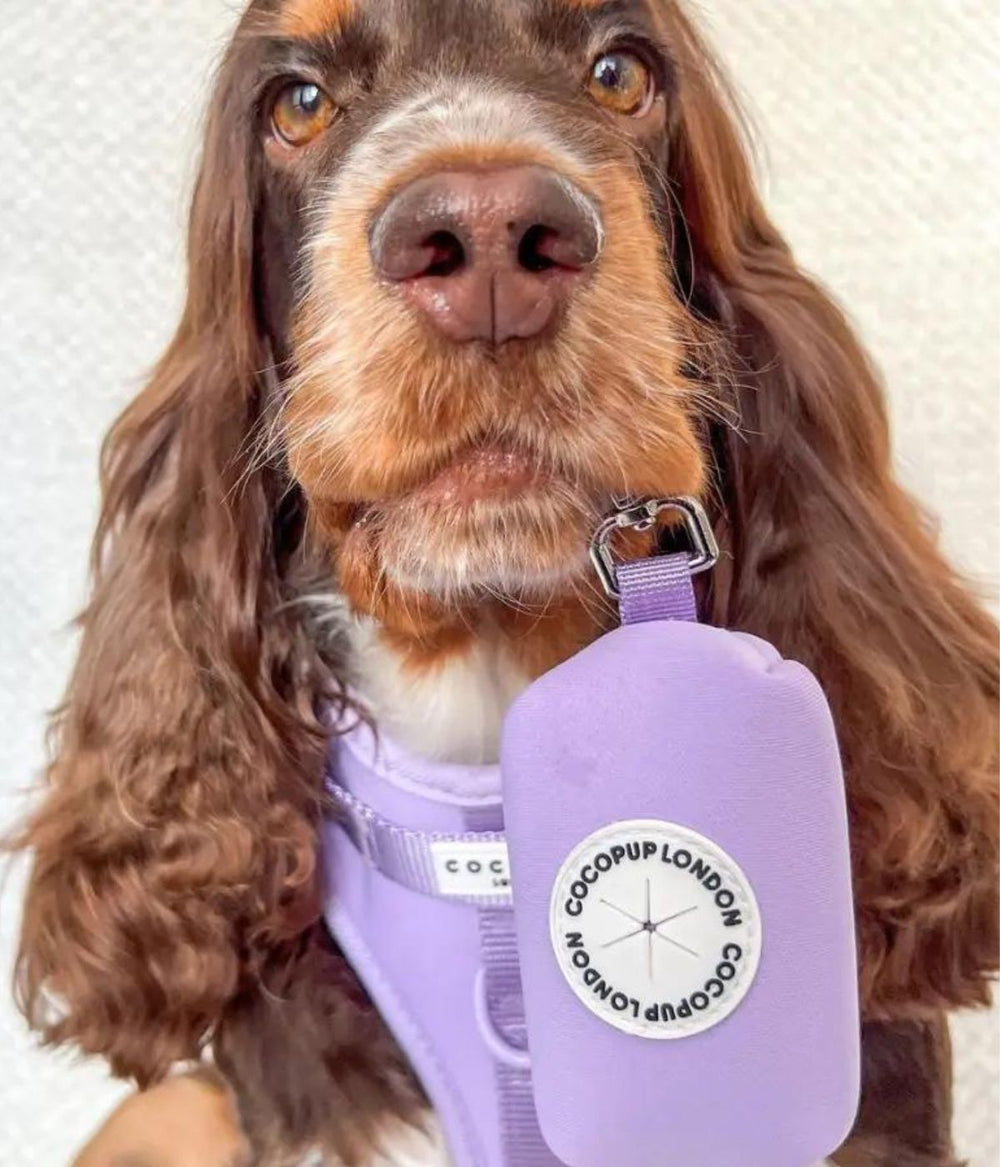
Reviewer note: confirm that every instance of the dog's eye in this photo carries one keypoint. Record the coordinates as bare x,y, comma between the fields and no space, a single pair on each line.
621,82
301,112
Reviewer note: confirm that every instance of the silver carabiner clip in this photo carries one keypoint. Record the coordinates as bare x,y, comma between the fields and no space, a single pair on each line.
640,515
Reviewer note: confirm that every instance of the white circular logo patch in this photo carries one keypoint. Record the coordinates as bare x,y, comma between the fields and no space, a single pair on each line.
656,929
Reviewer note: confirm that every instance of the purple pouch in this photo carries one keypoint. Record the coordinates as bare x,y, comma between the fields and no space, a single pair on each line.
676,820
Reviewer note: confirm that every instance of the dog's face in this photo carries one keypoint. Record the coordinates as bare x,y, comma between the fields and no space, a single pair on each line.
465,274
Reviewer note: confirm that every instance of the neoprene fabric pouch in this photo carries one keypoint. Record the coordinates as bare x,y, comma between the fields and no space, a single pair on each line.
676,819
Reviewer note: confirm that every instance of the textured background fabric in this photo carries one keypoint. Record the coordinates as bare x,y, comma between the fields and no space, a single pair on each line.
877,118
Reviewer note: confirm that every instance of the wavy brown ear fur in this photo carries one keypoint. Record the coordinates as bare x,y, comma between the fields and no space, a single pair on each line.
177,827
174,892
831,560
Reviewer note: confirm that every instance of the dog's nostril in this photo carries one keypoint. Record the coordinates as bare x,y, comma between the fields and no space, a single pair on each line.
447,255
532,250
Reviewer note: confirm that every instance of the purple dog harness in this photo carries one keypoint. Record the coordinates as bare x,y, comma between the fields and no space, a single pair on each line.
651,890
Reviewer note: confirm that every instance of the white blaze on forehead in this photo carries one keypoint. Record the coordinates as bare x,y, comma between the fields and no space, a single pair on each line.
451,114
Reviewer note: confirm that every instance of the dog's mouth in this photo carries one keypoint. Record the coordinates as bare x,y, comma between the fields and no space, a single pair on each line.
477,475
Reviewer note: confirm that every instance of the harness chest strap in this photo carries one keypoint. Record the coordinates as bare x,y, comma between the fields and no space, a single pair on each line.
469,867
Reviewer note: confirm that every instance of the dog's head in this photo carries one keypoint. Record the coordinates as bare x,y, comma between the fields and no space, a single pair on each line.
468,275
460,271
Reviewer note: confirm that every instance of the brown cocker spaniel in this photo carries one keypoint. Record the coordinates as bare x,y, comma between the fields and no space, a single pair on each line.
461,270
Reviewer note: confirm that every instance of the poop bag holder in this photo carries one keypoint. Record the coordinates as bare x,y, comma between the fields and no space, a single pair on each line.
675,817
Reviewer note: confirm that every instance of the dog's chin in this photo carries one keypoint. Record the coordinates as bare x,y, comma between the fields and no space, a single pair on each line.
491,523
521,549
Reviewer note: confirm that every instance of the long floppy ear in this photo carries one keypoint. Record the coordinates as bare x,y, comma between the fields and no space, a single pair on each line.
174,899
174,852
826,556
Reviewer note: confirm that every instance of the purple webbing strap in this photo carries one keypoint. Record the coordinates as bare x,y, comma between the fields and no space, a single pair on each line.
403,855
659,588
521,1140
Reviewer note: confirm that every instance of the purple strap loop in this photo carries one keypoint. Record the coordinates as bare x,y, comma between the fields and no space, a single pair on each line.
504,1026
656,589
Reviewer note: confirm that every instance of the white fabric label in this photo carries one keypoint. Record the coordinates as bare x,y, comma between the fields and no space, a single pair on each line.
656,929
471,868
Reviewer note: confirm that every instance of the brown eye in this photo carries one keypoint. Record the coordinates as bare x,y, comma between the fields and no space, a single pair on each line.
301,112
622,83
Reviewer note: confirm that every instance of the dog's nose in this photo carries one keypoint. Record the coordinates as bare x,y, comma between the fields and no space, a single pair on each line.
487,255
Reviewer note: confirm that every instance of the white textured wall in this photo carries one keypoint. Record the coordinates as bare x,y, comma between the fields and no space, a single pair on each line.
878,118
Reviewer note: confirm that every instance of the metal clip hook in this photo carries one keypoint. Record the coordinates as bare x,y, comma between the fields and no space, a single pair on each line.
640,515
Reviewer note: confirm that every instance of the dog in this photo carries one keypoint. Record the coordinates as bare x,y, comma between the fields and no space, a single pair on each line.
462,272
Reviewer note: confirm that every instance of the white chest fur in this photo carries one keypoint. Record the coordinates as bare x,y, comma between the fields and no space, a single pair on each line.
450,710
